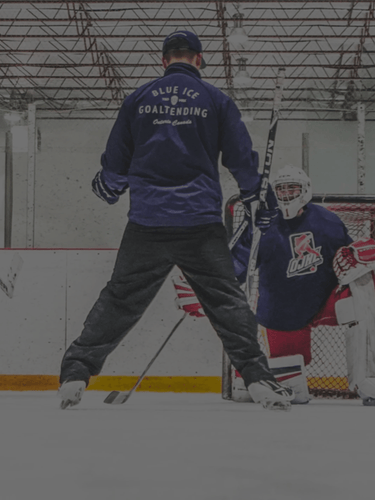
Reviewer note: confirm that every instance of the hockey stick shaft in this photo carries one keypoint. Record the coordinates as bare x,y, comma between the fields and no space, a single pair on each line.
117,397
269,153
238,234
272,135
265,176
256,231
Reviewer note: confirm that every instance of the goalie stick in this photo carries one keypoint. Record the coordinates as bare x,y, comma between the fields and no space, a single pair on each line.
117,397
265,178
226,383
266,168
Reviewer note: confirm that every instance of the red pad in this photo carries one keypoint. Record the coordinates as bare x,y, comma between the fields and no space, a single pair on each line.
287,343
186,298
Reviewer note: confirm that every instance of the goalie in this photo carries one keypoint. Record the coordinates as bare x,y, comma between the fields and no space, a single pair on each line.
309,275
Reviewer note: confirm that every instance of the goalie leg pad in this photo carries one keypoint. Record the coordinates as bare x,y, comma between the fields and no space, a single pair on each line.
358,314
345,312
366,390
288,370
240,394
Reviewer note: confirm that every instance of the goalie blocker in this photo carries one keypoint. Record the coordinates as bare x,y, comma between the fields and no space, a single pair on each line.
354,265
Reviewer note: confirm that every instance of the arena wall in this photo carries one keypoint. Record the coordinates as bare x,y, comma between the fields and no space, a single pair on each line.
58,283
53,293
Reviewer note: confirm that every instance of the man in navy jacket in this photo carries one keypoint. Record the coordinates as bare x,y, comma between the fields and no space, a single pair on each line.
164,147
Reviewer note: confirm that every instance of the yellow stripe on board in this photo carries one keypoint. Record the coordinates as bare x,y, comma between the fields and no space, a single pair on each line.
29,382
340,383
114,383
150,384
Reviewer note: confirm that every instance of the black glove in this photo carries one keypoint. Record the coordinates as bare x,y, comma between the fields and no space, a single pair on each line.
105,193
266,213
264,218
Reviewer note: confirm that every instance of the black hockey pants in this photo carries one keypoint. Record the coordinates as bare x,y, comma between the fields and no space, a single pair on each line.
145,258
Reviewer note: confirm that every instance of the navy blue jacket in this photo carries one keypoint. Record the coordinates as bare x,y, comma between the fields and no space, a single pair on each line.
165,145
295,266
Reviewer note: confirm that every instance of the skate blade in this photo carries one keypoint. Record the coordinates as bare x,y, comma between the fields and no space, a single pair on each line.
116,398
277,405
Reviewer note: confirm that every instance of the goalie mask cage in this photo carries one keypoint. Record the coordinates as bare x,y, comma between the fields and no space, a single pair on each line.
327,372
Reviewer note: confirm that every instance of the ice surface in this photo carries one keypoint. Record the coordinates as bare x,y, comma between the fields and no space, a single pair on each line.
183,447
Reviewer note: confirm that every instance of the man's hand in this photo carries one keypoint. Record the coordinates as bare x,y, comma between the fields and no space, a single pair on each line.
105,193
264,217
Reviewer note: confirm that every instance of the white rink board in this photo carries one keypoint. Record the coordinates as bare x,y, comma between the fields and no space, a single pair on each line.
193,350
53,294
33,321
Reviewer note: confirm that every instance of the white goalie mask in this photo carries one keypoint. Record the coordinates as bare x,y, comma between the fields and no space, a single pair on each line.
292,189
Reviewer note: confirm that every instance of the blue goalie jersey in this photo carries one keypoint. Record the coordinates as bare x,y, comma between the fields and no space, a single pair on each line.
295,266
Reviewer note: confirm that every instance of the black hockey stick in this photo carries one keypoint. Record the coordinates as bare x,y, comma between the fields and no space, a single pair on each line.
117,397
267,161
265,178
226,371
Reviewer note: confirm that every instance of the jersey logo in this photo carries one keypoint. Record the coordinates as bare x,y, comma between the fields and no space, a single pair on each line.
306,257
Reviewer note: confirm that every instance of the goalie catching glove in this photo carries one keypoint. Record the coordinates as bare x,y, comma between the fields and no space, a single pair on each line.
103,191
354,261
186,298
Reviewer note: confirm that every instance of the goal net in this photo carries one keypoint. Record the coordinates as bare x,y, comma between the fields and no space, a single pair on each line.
327,372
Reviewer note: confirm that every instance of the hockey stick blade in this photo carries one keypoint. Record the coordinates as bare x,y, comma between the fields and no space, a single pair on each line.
117,397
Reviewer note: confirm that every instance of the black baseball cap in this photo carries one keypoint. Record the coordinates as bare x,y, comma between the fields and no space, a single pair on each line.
180,40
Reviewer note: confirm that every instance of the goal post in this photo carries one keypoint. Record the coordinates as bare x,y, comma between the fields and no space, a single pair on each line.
327,372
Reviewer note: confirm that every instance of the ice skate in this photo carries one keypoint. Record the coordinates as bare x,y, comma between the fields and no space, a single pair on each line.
272,395
368,401
71,393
